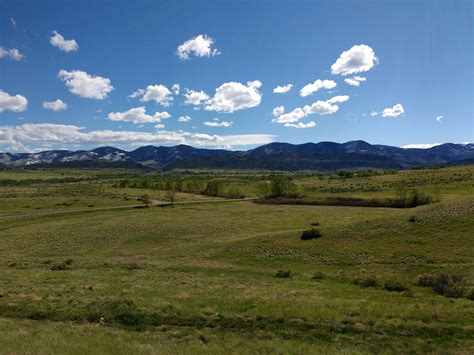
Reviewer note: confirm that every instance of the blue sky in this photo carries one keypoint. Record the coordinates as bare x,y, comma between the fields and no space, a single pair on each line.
412,61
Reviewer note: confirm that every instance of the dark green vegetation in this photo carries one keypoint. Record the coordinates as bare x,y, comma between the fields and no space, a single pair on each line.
213,276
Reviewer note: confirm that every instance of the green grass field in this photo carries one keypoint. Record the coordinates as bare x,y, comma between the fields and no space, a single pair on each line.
200,277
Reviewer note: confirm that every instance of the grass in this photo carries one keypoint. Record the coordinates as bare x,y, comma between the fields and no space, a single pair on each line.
200,278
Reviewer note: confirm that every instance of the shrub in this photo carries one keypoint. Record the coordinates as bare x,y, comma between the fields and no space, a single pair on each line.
367,281
394,286
315,224
59,267
283,274
426,280
310,234
452,286
412,219
470,294
134,266
319,276
282,186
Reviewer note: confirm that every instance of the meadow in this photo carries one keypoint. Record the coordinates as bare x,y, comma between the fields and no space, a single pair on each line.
214,273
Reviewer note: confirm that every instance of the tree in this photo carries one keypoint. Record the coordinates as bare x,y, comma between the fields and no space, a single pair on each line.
170,195
282,186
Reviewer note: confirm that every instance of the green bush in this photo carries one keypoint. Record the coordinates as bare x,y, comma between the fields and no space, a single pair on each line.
310,234
395,286
452,286
283,274
426,280
366,281
282,186
319,276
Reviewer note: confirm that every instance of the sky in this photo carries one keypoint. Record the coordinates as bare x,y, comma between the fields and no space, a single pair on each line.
234,74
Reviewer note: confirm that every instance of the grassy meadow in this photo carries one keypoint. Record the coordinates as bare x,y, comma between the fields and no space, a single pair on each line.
213,275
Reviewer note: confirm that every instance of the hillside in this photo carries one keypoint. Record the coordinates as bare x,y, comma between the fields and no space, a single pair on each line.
273,156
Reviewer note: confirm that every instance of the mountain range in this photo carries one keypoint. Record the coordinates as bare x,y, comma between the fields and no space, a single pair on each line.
273,156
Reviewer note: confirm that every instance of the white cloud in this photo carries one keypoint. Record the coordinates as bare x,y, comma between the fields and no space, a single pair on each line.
439,118
358,59
293,116
136,93
71,136
159,126
58,41
85,85
278,111
355,80
12,53
374,113
282,89
421,146
158,93
233,96
301,125
13,22
338,99
175,88
200,46
195,97
317,85
138,115
184,119
57,105
394,111
319,107
16,103
216,123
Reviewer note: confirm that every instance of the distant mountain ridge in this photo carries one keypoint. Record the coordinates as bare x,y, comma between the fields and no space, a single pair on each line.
272,156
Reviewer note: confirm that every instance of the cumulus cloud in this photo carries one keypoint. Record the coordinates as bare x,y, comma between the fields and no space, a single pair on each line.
293,116
15,103
159,126
421,146
319,107
338,99
12,53
394,111
158,93
374,113
184,119
301,125
278,111
85,85
28,136
358,59
439,118
136,93
138,115
58,41
195,97
200,46
176,87
233,96
216,123
282,89
355,80
317,85
57,105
